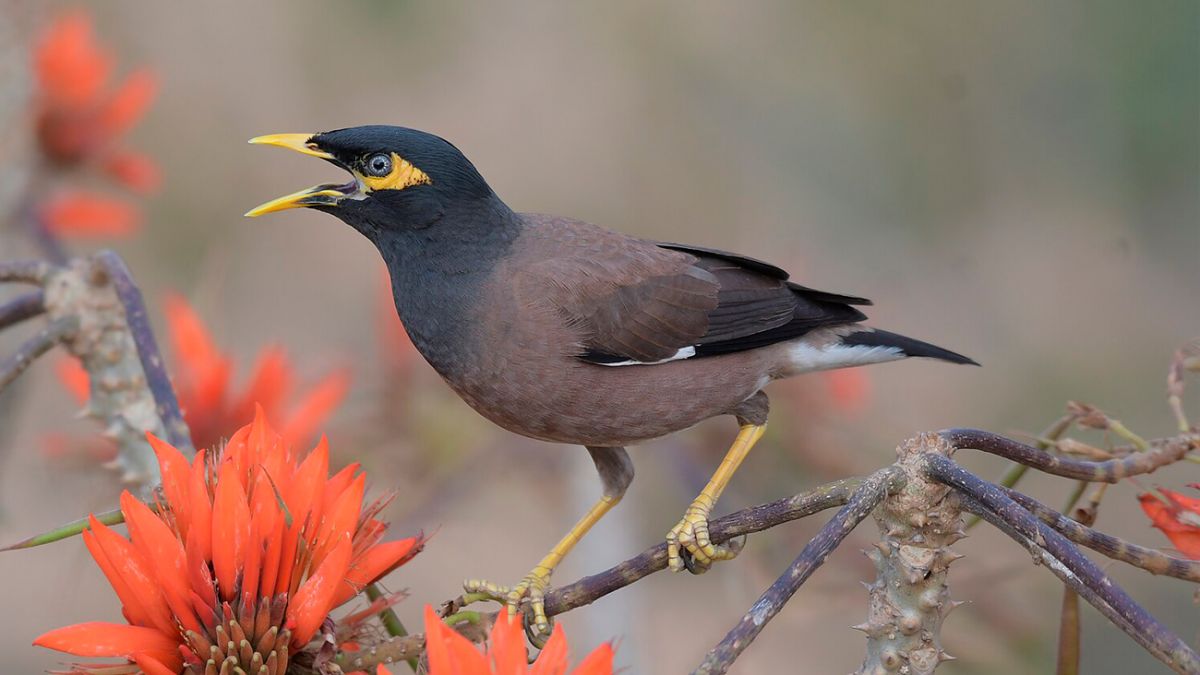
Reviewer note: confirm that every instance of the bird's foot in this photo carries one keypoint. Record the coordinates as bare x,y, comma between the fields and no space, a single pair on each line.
530,592
689,546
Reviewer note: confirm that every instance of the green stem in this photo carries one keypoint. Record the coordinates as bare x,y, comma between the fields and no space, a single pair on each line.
71,529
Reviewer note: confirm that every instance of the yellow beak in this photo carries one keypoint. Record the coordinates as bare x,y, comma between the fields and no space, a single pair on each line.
297,142
325,194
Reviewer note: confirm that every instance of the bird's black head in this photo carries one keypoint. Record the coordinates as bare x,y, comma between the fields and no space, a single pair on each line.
403,179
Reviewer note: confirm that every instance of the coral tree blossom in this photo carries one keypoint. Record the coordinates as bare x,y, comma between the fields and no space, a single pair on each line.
1178,516
204,383
238,566
80,120
452,654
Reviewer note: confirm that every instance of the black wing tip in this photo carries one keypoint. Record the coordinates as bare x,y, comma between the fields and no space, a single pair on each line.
909,346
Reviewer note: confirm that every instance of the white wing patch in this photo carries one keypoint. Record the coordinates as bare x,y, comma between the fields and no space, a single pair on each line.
806,358
685,353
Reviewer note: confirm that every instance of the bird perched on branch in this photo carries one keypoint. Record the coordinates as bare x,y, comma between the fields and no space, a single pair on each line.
568,332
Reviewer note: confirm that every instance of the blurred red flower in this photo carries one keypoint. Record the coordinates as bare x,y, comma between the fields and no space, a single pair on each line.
450,653
80,213
80,120
1178,517
251,546
203,382
849,389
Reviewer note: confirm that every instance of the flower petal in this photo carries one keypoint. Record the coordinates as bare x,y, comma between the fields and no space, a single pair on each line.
448,652
71,68
312,602
74,378
166,555
507,646
134,170
230,530
110,639
128,103
176,480
130,575
374,563
152,666
599,662
315,407
553,658
87,214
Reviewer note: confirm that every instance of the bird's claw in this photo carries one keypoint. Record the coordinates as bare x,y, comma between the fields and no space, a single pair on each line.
530,593
689,546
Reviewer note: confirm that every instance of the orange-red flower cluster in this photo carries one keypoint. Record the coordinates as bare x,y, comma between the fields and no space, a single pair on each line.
80,121
450,653
203,379
239,565
1178,516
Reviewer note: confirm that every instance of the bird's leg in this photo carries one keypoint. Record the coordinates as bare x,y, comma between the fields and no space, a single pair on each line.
616,472
691,533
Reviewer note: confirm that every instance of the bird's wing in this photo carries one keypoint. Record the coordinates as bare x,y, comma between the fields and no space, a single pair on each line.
635,301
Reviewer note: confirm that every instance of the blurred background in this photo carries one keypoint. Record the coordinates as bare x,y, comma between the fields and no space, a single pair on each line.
1017,181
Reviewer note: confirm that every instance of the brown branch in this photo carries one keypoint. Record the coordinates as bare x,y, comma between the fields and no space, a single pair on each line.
869,494
1109,471
43,341
25,271
21,308
747,521
1151,560
1069,564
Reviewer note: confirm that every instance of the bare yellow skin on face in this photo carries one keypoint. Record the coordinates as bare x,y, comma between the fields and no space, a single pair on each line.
403,175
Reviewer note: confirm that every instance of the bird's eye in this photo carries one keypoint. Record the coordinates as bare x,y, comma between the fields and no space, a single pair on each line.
379,165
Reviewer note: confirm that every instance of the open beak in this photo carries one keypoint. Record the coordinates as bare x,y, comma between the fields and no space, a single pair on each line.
326,194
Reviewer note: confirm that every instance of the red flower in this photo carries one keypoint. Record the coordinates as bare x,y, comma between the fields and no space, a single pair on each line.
86,214
252,546
849,388
80,120
203,383
450,653
1178,517
77,117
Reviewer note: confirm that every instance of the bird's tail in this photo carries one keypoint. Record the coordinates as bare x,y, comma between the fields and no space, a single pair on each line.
906,345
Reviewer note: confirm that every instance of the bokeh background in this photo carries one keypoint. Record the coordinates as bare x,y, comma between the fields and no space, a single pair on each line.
1019,181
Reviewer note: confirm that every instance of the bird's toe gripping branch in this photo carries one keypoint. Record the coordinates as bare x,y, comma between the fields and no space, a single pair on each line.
688,543
530,593
690,547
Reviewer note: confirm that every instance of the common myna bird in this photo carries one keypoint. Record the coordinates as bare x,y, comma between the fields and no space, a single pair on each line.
564,331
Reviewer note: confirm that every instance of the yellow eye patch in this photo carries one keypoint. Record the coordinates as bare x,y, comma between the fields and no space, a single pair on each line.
403,175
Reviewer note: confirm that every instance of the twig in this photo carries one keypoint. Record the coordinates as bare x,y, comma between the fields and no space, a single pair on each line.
42,342
754,519
166,404
1070,565
66,531
406,648
27,271
1151,560
21,308
864,500
391,622
1016,470
1185,358
1109,471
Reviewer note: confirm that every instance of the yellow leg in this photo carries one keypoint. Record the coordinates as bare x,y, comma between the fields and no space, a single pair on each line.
692,531
534,585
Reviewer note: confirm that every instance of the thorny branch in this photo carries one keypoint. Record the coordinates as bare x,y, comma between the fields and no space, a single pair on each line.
862,502
95,310
1094,585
